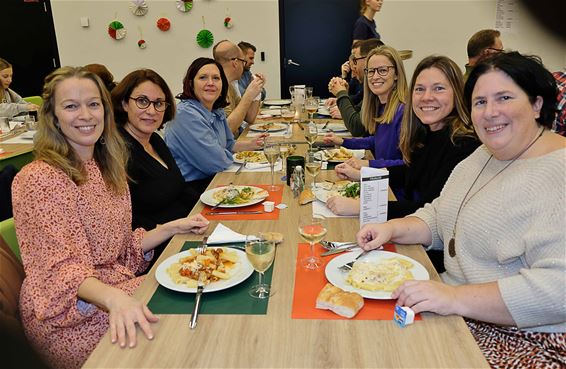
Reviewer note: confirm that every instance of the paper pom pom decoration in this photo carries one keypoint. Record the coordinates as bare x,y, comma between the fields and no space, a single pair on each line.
139,7
205,38
163,24
228,22
142,44
116,30
184,5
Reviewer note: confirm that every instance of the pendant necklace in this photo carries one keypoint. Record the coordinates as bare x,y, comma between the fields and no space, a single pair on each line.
466,199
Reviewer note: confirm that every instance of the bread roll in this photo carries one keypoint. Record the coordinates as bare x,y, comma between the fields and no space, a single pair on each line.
346,304
272,236
306,196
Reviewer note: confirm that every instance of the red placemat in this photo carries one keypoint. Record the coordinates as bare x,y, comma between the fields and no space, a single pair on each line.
308,284
275,196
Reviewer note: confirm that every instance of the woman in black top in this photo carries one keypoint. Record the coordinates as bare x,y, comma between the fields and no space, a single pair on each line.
365,28
142,102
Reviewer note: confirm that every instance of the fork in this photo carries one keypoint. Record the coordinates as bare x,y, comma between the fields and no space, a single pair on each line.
348,266
200,288
241,167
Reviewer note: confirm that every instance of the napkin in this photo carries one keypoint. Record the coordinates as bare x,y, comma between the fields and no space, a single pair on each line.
320,208
223,234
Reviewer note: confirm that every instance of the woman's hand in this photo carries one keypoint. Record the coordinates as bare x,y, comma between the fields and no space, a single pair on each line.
374,235
194,224
32,107
330,102
357,163
332,138
345,171
124,312
341,205
433,296
336,85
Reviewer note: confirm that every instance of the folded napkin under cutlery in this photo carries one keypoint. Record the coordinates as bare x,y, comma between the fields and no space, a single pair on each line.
223,234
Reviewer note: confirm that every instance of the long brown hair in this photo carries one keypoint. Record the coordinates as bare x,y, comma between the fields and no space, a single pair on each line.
397,96
458,121
52,146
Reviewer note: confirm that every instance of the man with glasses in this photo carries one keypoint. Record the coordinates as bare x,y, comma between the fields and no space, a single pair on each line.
350,110
249,55
480,46
242,109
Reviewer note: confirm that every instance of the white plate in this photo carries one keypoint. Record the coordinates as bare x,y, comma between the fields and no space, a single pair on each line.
358,154
239,273
322,194
275,127
209,200
334,127
28,135
274,111
277,102
338,278
241,161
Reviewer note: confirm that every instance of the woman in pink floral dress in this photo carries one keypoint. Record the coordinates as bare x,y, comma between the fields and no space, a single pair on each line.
73,221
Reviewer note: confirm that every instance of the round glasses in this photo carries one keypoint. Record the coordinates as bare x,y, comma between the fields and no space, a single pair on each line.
355,60
382,71
143,102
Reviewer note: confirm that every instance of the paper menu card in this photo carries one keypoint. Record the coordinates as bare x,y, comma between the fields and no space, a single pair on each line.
374,187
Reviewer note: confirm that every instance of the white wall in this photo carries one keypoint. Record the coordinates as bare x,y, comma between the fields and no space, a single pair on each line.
168,53
426,27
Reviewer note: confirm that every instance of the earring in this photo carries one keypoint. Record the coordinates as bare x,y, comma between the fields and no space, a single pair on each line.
101,140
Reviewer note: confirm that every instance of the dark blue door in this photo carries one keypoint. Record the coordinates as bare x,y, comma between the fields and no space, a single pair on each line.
316,35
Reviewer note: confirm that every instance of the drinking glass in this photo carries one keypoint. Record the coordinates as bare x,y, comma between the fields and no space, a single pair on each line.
312,229
288,114
313,165
308,92
260,253
284,150
272,151
311,132
311,106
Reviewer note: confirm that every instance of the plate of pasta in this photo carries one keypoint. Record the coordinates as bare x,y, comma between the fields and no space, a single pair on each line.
340,155
268,127
224,267
250,157
233,196
376,275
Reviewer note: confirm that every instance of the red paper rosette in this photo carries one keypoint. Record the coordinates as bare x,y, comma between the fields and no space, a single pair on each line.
163,24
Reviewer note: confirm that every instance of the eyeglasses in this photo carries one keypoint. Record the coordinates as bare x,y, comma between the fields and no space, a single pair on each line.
496,50
382,71
242,60
355,60
143,102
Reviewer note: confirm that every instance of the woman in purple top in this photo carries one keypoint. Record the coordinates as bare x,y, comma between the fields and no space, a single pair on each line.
385,94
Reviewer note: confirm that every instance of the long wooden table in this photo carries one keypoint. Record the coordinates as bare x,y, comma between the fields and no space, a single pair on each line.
17,154
275,340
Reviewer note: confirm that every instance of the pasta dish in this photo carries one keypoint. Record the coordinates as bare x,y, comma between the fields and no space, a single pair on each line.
384,275
215,264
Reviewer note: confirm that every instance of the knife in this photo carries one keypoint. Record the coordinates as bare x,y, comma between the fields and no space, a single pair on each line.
200,288
339,250
234,212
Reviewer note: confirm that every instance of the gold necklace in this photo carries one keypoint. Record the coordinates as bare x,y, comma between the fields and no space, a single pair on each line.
466,200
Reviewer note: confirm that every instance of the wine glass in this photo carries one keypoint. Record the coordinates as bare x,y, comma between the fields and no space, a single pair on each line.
311,106
288,114
312,229
310,132
313,166
260,253
284,151
272,151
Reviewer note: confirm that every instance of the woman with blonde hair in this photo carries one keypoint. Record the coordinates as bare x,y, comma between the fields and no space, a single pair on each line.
73,218
11,103
365,27
385,94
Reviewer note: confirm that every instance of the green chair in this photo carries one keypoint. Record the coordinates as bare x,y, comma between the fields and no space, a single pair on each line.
37,100
8,233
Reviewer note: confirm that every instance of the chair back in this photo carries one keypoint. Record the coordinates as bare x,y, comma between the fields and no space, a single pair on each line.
8,233
37,100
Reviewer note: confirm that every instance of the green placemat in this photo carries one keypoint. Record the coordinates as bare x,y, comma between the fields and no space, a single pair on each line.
234,300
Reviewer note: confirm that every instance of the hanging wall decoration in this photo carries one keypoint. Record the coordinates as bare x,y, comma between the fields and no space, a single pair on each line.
184,5
141,43
163,24
228,20
139,7
205,38
116,30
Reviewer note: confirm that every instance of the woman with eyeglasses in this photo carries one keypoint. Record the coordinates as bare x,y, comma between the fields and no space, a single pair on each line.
142,103
199,136
385,94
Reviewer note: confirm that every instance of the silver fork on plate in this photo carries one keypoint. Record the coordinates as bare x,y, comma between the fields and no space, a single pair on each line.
348,266
241,167
200,288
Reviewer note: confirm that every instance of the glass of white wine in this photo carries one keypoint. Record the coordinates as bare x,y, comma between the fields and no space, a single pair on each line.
288,114
260,253
272,151
311,133
312,229
313,166
311,106
284,151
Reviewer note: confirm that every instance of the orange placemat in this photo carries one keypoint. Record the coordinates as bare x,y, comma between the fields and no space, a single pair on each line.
275,196
308,284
